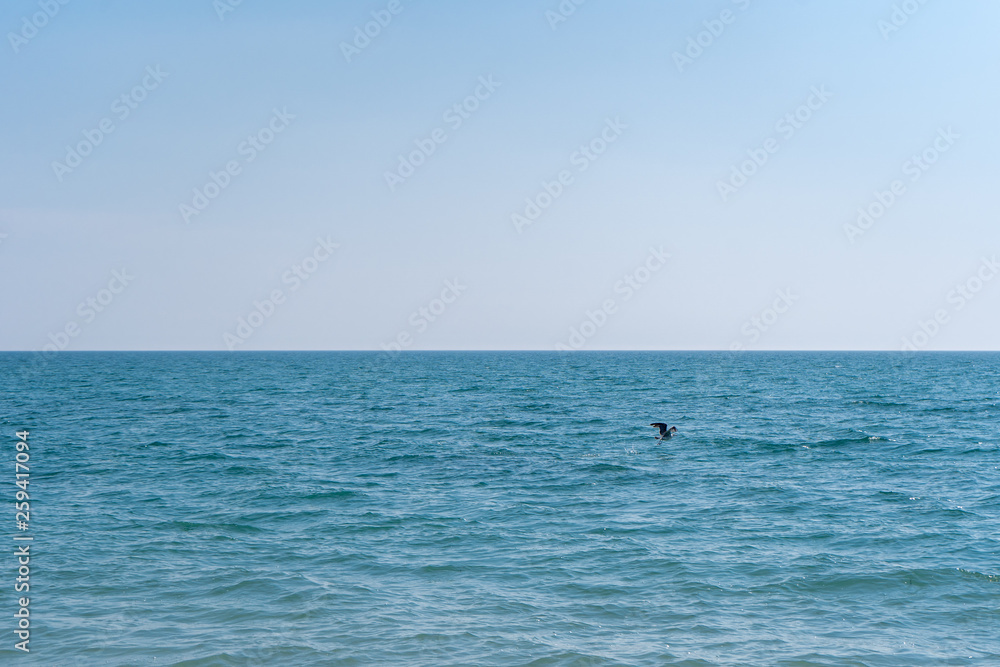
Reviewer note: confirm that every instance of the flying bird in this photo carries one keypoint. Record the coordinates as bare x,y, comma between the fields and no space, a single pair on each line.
665,432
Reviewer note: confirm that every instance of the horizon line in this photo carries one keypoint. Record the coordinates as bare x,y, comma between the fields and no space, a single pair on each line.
393,353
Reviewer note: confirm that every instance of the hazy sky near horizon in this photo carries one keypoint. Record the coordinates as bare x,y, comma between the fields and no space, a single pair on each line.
518,175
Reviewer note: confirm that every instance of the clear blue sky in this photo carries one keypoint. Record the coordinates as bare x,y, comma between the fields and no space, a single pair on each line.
766,265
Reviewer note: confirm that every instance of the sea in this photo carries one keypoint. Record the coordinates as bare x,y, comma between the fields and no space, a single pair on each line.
502,508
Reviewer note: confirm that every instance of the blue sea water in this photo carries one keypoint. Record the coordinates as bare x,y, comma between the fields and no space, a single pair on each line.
506,508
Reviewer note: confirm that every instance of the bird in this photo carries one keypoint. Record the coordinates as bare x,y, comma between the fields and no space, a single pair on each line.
665,432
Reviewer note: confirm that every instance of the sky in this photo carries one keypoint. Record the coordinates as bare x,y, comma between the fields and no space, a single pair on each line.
525,175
